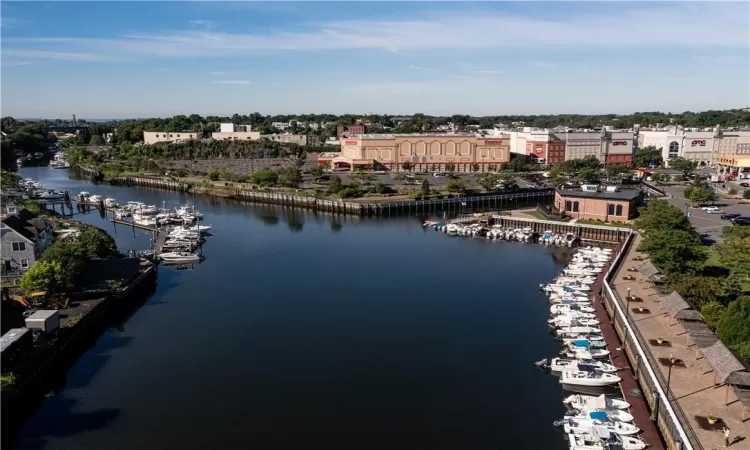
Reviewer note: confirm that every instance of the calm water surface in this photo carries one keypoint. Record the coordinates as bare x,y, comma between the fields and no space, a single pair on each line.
304,330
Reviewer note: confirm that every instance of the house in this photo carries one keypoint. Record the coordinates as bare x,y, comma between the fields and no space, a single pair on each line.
23,237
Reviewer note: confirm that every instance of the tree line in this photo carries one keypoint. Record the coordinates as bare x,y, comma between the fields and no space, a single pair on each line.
716,281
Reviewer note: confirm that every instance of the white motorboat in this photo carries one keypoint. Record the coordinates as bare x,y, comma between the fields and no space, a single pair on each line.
201,228
568,308
593,378
179,257
598,419
614,414
580,401
145,221
109,202
94,199
84,194
574,320
582,353
577,330
590,337
559,365
604,440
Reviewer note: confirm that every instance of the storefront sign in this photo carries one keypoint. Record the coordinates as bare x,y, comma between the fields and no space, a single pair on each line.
351,142
698,142
620,143
493,142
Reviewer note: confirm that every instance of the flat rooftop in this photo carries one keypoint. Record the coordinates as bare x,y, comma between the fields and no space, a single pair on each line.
394,136
622,194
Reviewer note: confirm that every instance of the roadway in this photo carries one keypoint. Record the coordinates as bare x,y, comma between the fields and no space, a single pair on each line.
708,225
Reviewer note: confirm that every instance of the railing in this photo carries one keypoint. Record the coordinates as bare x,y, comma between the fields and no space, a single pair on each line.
674,420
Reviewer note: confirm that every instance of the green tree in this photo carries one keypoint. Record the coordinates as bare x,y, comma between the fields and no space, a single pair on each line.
701,196
456,186
731,287
557,175
712,313
647,156
425,187
95,140
734,252
475,167
290,177
96,244
660,215
9,180
656,176
588,175
687,191
407,166
683,165
734,326
335,185
746,194
317,171
381,188
214,175
696,289
614,170
43,276
450,167
264,177
675,250
488,181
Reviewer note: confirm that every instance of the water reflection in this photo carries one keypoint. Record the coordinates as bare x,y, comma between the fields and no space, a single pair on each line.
269,220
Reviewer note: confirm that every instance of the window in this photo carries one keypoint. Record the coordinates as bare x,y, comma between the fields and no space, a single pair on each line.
24,263
568,205
619,210
611,210
19,246
674,150
178,135
575,206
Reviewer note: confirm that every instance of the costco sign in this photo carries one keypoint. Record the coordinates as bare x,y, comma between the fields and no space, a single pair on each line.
698,143
493,142
620,143
351,142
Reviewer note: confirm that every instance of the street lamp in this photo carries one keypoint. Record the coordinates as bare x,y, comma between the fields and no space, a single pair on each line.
627,304
672,362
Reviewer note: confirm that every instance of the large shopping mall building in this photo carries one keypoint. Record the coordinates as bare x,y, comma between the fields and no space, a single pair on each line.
426,152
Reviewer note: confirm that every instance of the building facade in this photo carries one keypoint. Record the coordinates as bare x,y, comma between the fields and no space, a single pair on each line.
580,145
618,147
701,146
598,204
154,137
23,238
236,136
424,152
299,139
348,130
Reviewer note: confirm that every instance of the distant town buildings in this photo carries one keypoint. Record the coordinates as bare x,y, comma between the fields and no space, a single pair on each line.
154,137
233,132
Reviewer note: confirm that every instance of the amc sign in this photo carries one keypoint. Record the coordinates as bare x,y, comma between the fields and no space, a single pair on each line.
493,142
620,143
351,142
698,143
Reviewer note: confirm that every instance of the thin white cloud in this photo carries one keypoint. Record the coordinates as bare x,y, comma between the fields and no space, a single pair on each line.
232,82
56,55
722,24
205,24
217,74
16,63
490,72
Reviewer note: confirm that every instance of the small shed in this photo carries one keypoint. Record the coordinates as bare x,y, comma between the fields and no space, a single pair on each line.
699,333
648,270
723,361
674,304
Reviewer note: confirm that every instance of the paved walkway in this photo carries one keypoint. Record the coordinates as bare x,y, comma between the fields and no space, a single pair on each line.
691,384
638,407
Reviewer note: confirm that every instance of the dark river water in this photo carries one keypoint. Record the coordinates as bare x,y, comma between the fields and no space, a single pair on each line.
304,330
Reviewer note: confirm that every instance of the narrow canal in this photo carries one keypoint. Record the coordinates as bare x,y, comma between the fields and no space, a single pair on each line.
304,330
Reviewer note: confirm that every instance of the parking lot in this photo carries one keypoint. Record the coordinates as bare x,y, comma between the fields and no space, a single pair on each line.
708,225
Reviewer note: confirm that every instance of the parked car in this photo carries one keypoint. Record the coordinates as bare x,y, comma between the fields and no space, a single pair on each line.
743,184
709,208
714,211
743,221
730,216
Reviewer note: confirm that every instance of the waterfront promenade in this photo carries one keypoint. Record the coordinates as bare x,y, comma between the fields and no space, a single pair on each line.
691,381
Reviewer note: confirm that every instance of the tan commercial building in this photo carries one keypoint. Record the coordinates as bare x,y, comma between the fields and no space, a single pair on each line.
426,152
154,137
236,136
591,202
299,139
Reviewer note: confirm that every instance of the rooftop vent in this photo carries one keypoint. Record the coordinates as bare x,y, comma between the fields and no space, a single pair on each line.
589,188
613,189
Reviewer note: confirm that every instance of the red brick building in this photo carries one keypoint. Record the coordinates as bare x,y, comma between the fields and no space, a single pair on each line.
556,152
342,130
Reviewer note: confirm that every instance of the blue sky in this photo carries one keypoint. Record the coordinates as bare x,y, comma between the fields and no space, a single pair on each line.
146,59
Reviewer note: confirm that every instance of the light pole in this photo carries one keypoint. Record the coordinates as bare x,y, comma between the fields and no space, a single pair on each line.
627,304
672,362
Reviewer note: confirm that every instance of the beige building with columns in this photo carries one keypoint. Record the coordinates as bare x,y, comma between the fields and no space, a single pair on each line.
426,152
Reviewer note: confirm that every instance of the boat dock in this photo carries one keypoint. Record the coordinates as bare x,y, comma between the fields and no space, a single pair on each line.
591,233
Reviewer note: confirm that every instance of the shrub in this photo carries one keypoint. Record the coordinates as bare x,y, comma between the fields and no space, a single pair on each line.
712,312
746,194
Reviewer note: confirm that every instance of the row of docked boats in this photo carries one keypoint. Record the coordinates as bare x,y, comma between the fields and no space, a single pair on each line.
37,191
592,422
181,243
498,232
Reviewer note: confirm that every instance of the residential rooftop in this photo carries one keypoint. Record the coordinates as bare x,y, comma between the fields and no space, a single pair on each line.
621,194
